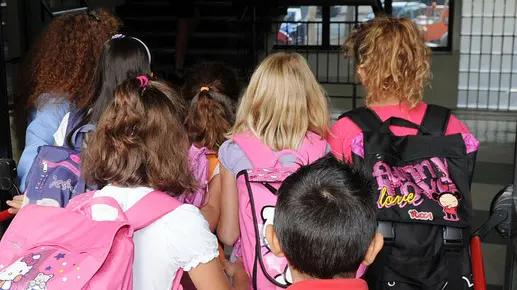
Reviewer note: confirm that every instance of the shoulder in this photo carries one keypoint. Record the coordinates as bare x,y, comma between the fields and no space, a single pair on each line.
456,126
52,103
190,241
230,155
341,135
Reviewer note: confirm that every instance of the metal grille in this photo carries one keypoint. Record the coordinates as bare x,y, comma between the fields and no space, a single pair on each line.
317,32
488,55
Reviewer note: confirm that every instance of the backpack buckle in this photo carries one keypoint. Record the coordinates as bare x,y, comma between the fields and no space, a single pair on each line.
452,237
387,231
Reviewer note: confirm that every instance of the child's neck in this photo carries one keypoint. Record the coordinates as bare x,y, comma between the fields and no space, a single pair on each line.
298,277
385,102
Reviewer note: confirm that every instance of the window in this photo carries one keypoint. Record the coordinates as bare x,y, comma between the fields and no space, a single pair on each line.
322,27
432,16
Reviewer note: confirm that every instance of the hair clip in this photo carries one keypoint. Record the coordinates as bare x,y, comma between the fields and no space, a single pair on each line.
204,89
116,36
143,81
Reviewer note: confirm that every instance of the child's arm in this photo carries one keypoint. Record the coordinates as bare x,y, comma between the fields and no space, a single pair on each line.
228,228
211,210
210,276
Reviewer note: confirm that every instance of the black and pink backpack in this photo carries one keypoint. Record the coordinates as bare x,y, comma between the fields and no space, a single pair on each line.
424,201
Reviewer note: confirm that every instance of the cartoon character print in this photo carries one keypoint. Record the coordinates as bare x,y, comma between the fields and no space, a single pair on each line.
40,282
271,261
449,201
14,273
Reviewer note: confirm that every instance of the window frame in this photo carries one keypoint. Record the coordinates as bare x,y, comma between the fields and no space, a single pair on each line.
326,24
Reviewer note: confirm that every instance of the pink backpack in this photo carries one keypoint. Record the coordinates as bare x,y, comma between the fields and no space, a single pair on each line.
63,248
257,198
198,163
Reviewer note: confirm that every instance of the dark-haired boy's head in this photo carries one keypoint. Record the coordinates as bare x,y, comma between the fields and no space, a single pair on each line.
325,220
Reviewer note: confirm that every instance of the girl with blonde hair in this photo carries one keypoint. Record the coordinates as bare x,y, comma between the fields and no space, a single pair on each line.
282,105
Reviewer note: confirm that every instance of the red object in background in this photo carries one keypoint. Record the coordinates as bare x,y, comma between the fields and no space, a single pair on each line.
478,270
5,215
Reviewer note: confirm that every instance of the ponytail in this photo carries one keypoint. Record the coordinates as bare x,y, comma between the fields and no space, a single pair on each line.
210,116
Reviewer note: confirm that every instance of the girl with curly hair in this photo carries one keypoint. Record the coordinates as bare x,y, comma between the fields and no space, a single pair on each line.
57,75
393,65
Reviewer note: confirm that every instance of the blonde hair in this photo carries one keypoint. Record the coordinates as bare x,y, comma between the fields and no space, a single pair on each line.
392,58
282,102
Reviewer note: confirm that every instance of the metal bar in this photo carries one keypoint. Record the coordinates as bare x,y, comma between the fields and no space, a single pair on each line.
501,65
61,12
470,53
354,90
5,127
388,7
514,49
450,28
325,17
45,8
481,50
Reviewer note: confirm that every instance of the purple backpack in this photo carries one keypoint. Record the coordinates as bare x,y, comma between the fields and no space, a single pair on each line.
55,176
198,162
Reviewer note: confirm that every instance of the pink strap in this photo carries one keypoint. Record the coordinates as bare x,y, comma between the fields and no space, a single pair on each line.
176,284
151,208
313,147
257,152
261,156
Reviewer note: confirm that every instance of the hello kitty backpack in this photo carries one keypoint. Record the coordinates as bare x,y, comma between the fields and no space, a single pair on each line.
63,248
257,198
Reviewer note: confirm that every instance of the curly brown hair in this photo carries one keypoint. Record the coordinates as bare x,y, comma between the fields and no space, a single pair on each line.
392,59
140,140
63,60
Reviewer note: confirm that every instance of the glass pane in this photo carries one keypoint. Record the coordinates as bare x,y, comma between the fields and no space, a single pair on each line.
431,16
300,26
343,19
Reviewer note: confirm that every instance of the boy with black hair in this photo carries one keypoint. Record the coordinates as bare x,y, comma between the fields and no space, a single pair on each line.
325,225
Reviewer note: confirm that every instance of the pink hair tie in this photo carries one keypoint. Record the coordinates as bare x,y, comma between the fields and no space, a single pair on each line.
143,81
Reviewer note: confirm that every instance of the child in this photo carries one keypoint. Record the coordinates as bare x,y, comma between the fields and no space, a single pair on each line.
283,112
420,156
122,57
324,225
140,145
393,64
212,89
57,74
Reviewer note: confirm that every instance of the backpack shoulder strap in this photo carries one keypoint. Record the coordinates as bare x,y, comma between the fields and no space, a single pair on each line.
436,119
313,146
364,118
257,153
151,208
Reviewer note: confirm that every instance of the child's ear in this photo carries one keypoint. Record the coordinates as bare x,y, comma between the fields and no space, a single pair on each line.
374,249
274,243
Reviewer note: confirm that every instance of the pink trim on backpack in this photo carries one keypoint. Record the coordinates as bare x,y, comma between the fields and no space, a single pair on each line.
471,144
63,248
265,176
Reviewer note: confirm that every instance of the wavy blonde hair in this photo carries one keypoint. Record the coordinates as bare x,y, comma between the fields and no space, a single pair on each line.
282,102
392,58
